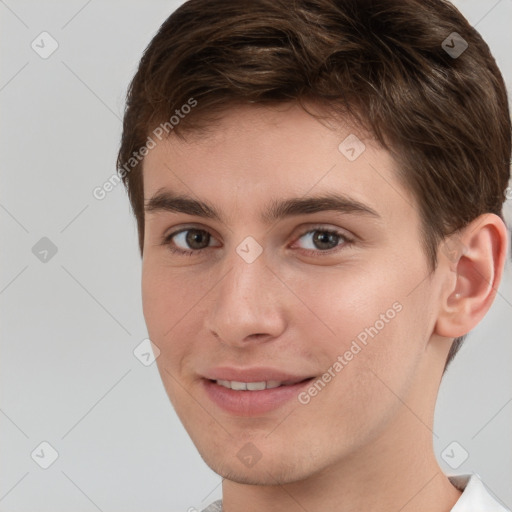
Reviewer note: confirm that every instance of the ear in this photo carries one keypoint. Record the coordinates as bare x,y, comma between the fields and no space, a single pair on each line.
472,262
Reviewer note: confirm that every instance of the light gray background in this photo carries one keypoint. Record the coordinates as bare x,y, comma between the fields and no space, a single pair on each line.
69,326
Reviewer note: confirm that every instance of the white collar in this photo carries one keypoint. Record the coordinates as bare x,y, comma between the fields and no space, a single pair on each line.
475,496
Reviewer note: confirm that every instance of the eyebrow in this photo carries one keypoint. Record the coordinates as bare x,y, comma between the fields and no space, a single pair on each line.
166,201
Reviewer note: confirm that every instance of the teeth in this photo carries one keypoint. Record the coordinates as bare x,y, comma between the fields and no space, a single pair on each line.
249,386
238,386
256,386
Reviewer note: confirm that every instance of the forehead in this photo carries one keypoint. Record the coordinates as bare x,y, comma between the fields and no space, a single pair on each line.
254,153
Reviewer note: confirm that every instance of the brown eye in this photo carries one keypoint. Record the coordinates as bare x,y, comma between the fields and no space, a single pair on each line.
323,239
197,238
188,241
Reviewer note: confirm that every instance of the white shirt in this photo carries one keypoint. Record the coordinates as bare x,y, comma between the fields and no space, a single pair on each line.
475,496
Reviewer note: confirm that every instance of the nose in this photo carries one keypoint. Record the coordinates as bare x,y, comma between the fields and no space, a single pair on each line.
247,304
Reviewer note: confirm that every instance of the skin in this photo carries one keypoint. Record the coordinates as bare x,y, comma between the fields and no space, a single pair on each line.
365,441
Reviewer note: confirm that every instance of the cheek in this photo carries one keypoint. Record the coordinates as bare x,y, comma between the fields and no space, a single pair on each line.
167,296
168,308
350,300
155,302
175,303
370,359
370,321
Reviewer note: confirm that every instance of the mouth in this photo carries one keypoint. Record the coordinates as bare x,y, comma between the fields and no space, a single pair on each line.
253,398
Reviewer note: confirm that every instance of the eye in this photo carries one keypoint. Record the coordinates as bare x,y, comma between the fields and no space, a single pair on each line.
318,241
321,240
186,239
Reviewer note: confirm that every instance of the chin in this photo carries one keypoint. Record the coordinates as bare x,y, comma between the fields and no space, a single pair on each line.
272,470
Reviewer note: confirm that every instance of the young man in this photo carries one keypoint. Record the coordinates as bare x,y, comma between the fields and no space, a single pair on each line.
318,188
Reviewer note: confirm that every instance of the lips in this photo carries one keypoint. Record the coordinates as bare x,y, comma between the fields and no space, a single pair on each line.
252,391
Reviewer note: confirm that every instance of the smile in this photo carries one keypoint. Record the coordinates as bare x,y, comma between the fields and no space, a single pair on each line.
255,398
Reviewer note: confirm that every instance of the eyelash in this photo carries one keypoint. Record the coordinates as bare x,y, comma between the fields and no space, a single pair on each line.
316,253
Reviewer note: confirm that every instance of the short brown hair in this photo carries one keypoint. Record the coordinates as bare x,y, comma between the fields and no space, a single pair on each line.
384,63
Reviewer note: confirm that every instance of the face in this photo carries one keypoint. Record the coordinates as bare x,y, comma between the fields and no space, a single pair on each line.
318,302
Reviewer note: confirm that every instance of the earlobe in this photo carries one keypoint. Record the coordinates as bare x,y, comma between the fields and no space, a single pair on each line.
472,261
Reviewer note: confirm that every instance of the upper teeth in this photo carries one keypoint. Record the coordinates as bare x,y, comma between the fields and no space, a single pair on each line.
249,386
